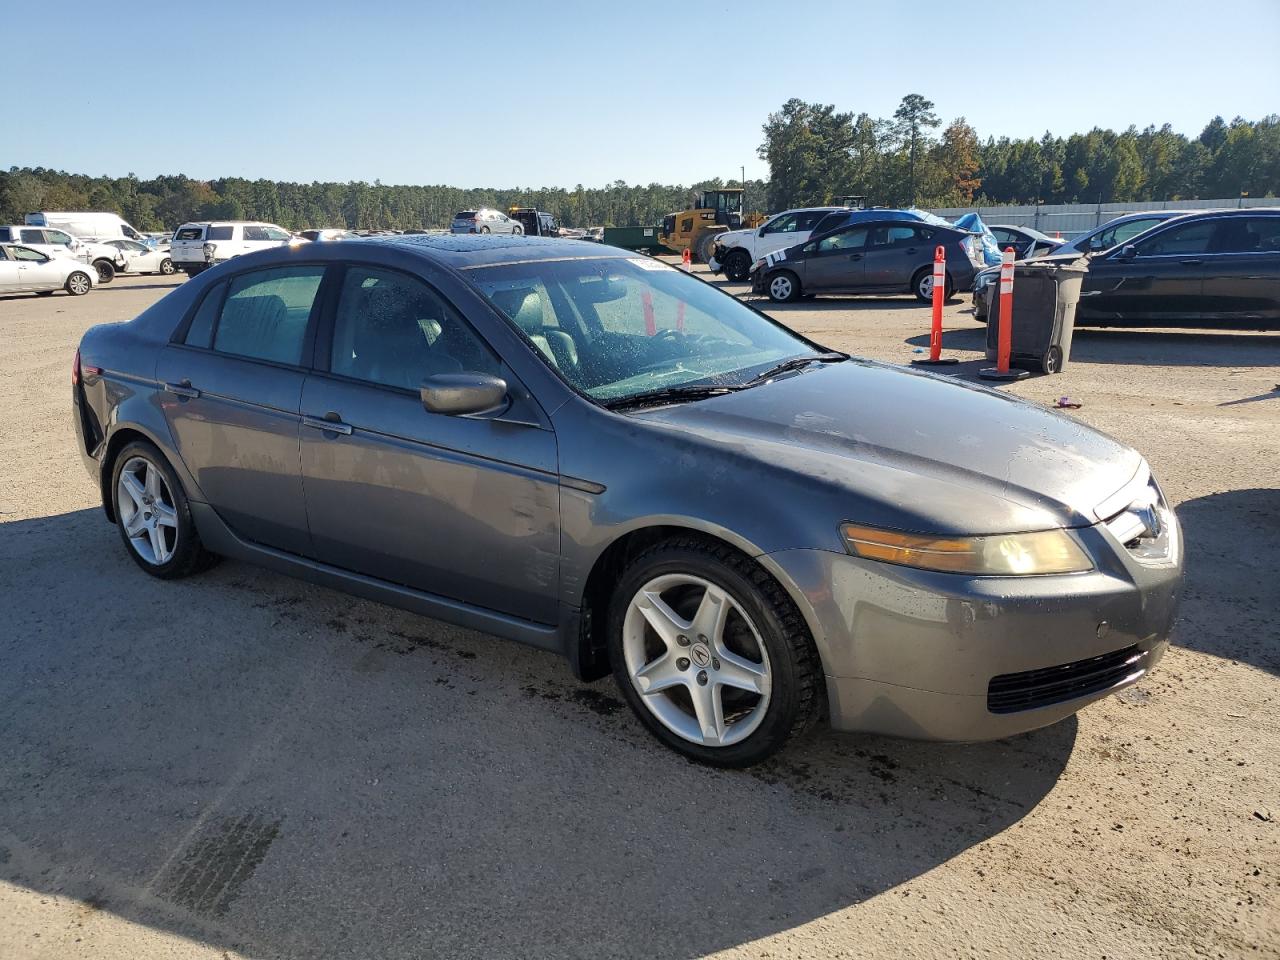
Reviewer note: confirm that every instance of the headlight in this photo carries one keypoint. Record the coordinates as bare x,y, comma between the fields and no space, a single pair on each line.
1002,555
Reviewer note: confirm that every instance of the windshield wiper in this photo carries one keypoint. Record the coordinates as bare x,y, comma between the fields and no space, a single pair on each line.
795,363
690,391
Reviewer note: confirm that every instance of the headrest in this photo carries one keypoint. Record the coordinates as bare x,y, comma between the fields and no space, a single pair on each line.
524,306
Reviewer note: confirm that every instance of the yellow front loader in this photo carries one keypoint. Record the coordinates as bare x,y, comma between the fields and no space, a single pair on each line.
715,212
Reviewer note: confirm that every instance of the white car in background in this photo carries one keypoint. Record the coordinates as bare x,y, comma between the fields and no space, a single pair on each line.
734,252
198,246
105,260
139,258
25,270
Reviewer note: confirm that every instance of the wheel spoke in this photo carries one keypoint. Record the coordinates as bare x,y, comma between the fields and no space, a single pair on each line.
710,712
134,488
736,671
666,623
152,484
166,516
158,550
135,525
661,674
712,612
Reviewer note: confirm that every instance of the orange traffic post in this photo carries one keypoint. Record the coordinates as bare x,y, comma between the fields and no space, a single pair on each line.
686,259
939,294
1004,335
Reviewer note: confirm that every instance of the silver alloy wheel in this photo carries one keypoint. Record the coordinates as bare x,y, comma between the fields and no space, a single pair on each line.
147,511
780,287
925,286
684,666
78,283
166,266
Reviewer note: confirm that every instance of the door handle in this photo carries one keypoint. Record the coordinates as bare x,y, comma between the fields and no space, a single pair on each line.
1191,261
329,423
183,389
855,256
910,250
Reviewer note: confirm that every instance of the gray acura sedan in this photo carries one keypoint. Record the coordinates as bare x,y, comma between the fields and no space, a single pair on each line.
585,450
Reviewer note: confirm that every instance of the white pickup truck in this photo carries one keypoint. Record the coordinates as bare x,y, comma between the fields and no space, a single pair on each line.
734,252
198,246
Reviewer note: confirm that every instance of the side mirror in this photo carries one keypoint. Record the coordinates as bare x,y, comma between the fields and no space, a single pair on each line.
459,394
1127,252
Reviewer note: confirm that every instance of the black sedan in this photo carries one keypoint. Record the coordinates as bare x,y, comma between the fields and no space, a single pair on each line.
889,256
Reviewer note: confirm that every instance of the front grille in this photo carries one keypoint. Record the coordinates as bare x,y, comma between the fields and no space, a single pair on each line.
1031,689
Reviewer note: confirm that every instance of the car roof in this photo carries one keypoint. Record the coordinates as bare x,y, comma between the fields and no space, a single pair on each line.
468,250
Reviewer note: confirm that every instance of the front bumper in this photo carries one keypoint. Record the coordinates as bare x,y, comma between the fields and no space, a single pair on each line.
913,653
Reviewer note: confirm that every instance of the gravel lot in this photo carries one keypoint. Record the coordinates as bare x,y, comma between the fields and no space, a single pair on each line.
244,765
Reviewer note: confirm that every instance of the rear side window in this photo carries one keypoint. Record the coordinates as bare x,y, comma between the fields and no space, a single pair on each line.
200,333
221,233
256,233
266,312
1248,235
810,219
189,233
33,236
6,235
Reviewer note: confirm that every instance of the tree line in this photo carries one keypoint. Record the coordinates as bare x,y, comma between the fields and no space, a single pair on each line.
815,153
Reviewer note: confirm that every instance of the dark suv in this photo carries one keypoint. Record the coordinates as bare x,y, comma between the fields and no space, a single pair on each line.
878,256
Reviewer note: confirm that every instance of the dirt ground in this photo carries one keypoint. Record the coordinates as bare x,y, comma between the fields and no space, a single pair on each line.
240,764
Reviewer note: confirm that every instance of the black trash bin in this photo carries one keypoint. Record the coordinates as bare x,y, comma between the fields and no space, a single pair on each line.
1045,294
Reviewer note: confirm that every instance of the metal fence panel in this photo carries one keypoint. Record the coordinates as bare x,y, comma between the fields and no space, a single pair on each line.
1070,219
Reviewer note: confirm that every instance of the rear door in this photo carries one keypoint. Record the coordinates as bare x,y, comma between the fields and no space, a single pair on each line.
1242,284
1163,280
232,388
893,254
836,263
461,507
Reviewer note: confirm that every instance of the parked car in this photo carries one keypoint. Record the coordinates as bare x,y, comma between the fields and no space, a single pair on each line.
198,246
332,233
105,260
1025,241
87,225
1110,234
139,258
598,454
1217,268
484,220
24,270
1220,268
536,223
734,252
877,256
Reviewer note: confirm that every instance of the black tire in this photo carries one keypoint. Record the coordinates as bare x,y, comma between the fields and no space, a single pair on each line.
195,269
106,270
1051,362
918,279
518,231
189,555
166,267
797,696
78,284
737,265
787,292
702,248
484,229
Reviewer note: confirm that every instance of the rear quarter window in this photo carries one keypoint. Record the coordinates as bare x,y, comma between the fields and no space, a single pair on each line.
221,233
189,233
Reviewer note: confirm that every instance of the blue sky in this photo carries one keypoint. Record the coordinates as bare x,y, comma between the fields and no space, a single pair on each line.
499,93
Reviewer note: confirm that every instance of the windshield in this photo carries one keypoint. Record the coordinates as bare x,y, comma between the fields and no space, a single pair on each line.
615,328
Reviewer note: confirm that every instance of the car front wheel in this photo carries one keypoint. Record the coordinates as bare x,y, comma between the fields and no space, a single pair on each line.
153,515
783,287
106,270
78,284
166,266
711,653
737,265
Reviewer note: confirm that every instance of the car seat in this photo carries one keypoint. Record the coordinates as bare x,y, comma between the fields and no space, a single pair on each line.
524,307
397,341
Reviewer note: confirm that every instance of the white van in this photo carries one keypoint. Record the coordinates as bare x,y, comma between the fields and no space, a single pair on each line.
96,226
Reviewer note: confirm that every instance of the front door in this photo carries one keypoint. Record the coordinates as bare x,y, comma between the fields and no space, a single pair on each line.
836,262
1163,280
36,270
231,397
465,508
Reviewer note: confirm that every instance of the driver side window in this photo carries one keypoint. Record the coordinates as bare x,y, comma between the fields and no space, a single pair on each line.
1189,238
26,253
854,239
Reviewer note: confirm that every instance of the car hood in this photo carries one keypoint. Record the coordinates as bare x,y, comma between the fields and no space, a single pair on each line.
914,450
732,238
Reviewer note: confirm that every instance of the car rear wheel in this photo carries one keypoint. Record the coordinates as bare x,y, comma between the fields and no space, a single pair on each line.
922,285
711,653
166,266
106,270
484,229
78,284
153,515
737,265
1051,362
517,231
783,287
